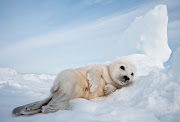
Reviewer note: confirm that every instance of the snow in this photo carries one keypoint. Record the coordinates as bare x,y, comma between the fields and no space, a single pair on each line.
148,35
154,97
144,64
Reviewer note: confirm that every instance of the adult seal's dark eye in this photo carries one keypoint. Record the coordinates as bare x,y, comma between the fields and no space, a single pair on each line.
132,74
122,67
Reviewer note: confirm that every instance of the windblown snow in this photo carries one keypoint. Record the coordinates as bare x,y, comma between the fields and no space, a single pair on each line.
154,97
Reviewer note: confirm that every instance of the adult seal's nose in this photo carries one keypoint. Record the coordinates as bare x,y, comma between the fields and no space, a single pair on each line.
126,78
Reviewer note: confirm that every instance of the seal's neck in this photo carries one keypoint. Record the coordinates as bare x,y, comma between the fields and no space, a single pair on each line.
107,77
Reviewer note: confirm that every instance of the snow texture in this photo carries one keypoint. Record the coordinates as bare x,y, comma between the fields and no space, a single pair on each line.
154,96
147,35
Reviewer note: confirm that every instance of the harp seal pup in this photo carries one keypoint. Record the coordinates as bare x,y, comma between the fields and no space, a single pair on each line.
85,82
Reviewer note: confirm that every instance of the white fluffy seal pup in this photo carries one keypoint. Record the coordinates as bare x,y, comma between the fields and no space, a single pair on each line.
86,82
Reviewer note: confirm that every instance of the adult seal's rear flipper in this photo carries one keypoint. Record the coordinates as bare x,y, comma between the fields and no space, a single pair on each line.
32,108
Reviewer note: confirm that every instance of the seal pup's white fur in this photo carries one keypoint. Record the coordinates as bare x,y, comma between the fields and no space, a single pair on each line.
86,82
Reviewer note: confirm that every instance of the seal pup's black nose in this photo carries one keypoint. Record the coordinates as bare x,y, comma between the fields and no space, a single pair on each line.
126,78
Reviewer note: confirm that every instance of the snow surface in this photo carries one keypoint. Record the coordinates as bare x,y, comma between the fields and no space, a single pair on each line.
154,97
148,35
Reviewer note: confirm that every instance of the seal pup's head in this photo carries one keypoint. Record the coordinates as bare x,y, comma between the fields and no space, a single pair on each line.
122,71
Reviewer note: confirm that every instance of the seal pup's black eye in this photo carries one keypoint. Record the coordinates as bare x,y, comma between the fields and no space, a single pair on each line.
132,74
122,67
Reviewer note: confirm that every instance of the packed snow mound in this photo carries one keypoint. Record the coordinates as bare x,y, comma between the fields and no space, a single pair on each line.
145,41
7,71
144,64
10,79
148,35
